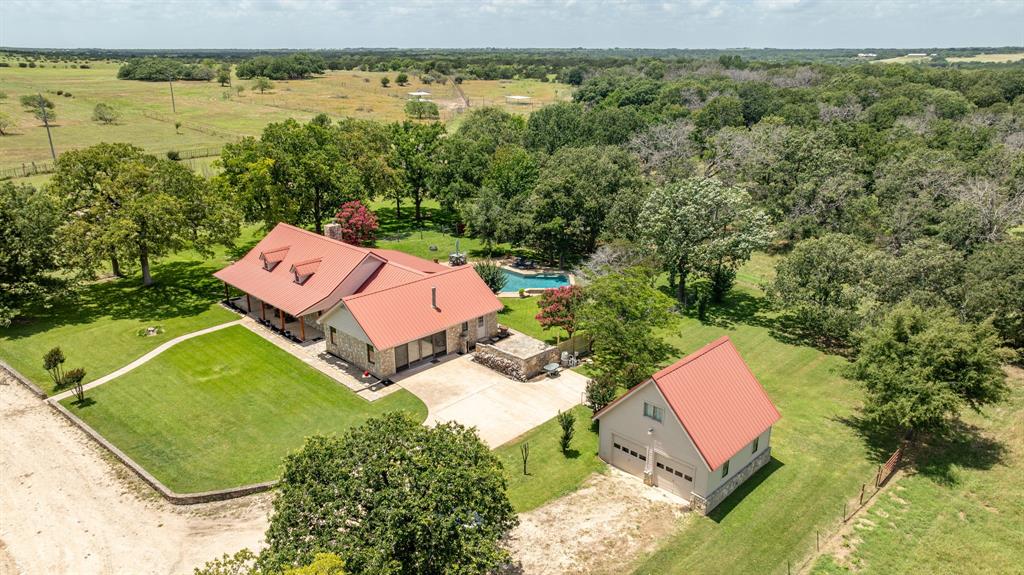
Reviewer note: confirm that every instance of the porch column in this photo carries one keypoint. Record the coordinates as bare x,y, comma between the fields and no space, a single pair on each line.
302,328
263,310
248,304
281,311
227,296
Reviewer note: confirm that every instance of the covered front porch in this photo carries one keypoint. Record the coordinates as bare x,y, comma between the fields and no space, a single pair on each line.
302,329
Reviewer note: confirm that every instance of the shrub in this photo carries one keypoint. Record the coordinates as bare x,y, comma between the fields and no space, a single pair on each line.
173,155
600,392
567,421
422,110
105,114
358,224
53,363
492,275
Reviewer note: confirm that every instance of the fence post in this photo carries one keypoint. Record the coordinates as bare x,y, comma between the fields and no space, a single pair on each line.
862,494
844,512
878,477
817,540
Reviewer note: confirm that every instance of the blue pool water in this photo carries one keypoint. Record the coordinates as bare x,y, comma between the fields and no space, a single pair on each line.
515,281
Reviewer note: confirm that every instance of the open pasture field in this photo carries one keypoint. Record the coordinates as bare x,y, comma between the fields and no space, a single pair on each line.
989,58
210,114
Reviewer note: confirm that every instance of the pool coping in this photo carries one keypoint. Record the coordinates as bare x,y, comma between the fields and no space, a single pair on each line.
538,272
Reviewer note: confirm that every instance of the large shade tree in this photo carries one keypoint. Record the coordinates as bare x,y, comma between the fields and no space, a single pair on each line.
702,224
622,313
575,191
820,287
491,128
146,208
28,263
392,496
921,368
413,148
300,173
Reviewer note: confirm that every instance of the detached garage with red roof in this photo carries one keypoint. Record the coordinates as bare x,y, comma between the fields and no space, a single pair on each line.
698,428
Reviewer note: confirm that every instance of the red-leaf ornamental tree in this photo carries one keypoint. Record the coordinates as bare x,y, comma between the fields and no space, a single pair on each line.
358,224
558,308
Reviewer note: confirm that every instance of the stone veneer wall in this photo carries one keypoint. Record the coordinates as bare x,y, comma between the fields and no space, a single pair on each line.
351,350
706,504
528,367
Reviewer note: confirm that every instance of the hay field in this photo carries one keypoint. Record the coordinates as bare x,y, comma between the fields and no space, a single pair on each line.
988,58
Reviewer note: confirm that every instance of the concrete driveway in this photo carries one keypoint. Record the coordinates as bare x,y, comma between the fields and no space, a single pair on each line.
501,409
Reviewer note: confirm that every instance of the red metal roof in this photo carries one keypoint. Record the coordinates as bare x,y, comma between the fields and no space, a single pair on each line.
404,312
392,305
718,400
290,246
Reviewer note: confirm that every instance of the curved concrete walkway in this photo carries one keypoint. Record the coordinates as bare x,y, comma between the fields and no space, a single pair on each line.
160,349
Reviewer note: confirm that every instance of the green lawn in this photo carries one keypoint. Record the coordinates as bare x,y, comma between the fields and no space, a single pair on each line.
99,329
962,512
820,460
551,473
520,315
437,230
222,409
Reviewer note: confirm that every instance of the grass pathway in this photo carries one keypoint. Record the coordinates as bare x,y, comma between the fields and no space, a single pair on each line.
145,358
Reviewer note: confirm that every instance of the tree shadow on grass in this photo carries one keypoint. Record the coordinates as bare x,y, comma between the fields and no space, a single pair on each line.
722,511
934,455
180,289
84,403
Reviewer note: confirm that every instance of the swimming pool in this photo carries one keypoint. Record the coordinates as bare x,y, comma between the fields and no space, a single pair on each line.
516,281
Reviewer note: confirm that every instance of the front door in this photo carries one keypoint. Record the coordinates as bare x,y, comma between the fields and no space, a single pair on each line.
481,328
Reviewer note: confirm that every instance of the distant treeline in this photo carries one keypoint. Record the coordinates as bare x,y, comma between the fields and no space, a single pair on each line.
289,67
164,69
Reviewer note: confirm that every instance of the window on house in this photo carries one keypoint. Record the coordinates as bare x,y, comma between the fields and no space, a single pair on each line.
332,332
371,354
480,321
465,327
753,447
653,411
725,469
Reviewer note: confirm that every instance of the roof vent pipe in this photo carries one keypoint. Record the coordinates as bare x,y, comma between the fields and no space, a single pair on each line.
433,297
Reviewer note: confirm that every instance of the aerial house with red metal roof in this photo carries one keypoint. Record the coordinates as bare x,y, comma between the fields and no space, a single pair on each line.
698,428
380,310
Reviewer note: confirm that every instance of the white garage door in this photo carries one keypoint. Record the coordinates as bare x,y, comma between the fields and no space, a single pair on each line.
673,476
628,455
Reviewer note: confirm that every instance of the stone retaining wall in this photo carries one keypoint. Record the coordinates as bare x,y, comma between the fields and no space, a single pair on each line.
706,504
528,367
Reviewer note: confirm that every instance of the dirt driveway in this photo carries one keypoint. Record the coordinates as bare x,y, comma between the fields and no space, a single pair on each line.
501,409
66,506
613,520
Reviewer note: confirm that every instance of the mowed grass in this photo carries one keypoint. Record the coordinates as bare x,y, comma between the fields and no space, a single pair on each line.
99,329
550,473
520,314
210,114
988,58
222,409
961,511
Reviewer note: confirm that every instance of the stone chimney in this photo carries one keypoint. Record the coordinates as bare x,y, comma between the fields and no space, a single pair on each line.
333,231
433,297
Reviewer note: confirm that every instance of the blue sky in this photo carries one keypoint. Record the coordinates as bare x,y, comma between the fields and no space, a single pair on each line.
511,23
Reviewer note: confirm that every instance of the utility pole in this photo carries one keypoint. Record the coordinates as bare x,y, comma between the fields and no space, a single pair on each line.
46,122
170,82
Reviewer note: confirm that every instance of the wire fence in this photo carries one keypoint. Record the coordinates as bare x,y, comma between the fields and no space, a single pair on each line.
35,168
810,548
26,169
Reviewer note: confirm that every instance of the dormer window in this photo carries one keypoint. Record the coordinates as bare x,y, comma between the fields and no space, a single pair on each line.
305,270
271,258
